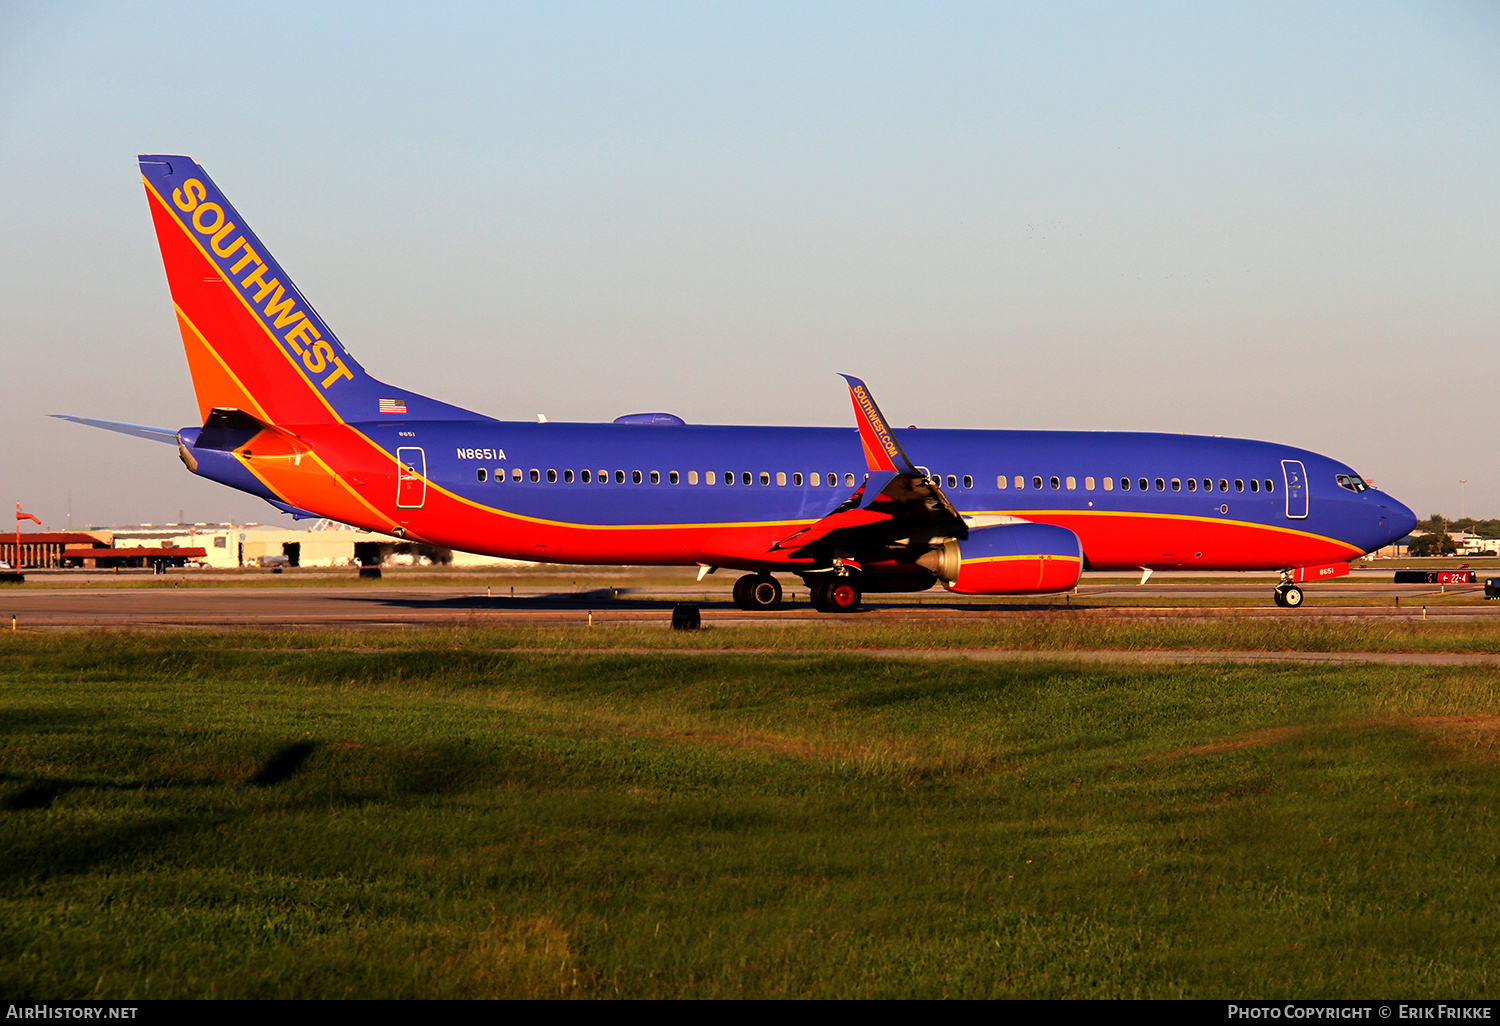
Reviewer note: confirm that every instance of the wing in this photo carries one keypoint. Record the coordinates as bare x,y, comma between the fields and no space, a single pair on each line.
897,500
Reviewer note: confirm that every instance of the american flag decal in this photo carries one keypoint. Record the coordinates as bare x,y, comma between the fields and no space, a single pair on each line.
393,406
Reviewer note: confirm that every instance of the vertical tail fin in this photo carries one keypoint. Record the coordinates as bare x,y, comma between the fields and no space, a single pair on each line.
253,341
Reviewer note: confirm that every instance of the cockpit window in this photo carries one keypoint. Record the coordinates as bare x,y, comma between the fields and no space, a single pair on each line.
1353,482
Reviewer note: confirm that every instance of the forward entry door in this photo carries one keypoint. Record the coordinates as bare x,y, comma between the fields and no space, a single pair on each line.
411,478
1296,489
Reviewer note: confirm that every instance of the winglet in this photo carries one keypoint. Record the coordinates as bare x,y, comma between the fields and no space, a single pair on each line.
882,451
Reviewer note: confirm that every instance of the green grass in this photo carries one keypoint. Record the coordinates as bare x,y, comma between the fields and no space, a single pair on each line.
1036,633
436,814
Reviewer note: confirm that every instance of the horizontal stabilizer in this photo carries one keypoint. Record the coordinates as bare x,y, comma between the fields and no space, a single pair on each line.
156,434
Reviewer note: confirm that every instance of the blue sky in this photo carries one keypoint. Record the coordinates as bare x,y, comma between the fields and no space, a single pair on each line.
1273,221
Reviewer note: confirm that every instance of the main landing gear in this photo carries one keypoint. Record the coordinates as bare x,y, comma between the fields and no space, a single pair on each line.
1287,595
835,593
831,593
756,592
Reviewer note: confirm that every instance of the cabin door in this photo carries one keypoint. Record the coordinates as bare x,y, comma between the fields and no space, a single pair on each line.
1295,476
411,478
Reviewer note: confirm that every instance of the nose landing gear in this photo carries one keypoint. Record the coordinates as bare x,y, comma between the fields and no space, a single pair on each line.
1287,595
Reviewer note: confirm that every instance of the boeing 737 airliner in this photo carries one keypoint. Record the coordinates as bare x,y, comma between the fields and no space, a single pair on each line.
288,414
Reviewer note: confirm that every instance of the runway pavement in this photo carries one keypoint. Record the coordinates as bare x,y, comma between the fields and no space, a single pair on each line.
190,603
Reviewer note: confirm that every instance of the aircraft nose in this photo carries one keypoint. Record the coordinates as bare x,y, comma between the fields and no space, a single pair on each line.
1396,518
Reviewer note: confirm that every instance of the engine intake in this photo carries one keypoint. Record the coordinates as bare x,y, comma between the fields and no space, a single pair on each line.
1009,559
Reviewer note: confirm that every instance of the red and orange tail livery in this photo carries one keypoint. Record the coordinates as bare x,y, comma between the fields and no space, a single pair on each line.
253,341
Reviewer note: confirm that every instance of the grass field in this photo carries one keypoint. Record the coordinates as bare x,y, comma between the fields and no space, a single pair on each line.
855,634
450,814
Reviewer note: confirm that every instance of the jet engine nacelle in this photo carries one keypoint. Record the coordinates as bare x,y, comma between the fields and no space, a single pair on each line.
1009,559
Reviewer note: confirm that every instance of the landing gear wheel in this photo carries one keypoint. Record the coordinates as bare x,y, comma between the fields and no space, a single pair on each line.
741,586
815,589
836,595
760,592
1288,596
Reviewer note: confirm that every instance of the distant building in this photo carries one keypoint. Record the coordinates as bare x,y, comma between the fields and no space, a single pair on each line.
48,548
1396,550
91,549
1473,545
226,546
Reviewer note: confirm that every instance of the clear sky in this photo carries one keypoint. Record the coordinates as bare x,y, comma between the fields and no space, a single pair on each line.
1278,221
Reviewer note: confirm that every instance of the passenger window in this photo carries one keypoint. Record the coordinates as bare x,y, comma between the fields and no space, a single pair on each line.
1176,484
968,480
499,475
587,477
710,478
1239,485
1109,484
797,480
952,480
1254,485
1000,482
848,480
1145,485
729,477
515,475
1124,484
1223,484
567,477
1192,484
1270,487
672,476
620,477
656,477
692,477
1055,484
1072,484
1020,481
746,477
635,477
815,479
780,478
765,477
1161,485
536,475
552,477
1088,484
482,475
1036,482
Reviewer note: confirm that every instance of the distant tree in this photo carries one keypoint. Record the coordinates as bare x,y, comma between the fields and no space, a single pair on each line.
1483,528
1434,540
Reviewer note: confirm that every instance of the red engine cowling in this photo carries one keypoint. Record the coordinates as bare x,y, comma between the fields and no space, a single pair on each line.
1009,559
